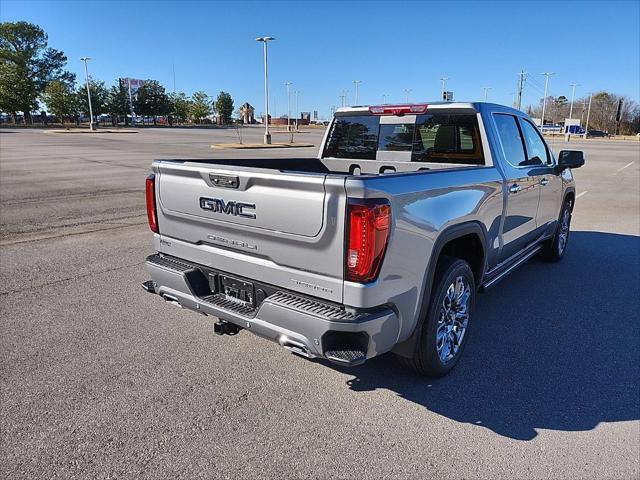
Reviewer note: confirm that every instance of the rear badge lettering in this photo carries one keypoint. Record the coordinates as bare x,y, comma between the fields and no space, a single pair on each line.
228,241
237,209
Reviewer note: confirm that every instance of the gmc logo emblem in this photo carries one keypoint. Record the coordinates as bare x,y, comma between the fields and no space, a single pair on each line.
218,205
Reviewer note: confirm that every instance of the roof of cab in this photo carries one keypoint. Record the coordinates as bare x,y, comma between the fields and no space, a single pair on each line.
437,105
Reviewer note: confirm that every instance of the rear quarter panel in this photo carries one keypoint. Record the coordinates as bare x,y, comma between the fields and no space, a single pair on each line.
423,204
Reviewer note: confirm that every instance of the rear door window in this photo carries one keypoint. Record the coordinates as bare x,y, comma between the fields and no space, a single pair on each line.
447,139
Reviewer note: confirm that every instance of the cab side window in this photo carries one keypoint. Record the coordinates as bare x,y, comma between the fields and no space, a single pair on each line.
537,153
510,138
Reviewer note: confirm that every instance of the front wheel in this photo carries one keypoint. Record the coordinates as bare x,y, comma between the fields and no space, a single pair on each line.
446,326
553,250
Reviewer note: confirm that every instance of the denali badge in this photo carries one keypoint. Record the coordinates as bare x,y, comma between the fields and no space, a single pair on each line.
218,205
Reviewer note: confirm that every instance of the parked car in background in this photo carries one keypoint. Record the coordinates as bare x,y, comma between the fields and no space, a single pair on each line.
597,134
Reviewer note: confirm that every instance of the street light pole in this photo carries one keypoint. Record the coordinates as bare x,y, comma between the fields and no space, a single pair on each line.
86,79
407,92
297,110
384,98
356,83
544,99
586,125
288,84
486,92
573,94
443,80
267,135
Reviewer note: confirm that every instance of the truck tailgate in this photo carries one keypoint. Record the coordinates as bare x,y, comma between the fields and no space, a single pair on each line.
282,228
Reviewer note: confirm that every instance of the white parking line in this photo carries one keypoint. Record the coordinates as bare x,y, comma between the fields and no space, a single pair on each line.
627,165
581,194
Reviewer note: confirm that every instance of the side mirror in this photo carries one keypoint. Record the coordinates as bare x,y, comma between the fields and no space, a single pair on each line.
570,159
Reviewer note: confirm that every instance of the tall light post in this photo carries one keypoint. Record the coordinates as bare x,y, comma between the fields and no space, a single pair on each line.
443,80
86,79
356,83
407,93
267,135
544,99
343,98
384,98
297,110
586,125
288,85
486,92
573,94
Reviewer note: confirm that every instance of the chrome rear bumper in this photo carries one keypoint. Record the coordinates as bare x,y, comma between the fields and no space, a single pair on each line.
306,326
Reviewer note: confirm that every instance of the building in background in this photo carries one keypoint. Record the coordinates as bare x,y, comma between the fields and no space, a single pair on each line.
247,114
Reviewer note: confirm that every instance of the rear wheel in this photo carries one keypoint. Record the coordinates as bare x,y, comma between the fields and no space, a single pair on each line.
554,248
446,326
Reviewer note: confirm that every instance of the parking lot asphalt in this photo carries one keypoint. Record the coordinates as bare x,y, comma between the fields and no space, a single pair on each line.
100,380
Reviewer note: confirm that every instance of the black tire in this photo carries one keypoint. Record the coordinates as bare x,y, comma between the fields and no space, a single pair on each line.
554,248
427,359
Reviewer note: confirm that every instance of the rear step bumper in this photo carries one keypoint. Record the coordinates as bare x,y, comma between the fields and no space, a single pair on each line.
308,327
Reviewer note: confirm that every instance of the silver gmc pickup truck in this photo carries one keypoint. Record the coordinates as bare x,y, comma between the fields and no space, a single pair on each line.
379,244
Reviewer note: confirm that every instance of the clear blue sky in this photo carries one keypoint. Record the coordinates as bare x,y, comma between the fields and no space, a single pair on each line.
323,46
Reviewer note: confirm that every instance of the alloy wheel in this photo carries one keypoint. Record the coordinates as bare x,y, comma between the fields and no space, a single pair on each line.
453,319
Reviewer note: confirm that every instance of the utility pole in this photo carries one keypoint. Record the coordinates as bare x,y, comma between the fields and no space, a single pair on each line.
573,94
267,135
86,79
356,83
407,92
544,100
486,92
521,80
586,125
443,80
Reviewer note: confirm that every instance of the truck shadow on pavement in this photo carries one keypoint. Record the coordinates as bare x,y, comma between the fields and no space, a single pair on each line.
554,346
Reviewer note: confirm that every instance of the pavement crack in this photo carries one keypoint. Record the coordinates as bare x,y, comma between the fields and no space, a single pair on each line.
4,243
75,277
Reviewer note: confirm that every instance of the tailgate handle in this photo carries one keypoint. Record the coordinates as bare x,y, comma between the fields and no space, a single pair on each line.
224,181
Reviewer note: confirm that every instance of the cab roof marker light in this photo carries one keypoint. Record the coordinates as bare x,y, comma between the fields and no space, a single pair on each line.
398,109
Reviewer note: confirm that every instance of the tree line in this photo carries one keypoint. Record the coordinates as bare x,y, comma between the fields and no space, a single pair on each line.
32,72
150,100
603,114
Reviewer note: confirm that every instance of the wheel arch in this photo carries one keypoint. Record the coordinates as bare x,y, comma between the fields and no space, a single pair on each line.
463,233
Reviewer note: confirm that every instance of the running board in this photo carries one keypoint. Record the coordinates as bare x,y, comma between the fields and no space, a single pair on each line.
487,285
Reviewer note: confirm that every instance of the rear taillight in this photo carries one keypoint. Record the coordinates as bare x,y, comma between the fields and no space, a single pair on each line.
150,193
367,237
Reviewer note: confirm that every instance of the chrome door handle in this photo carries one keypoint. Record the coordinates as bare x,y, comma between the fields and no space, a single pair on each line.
544,181
515,188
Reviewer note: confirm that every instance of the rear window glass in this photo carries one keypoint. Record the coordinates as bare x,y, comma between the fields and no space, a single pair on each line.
396,138
445,138
353,137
